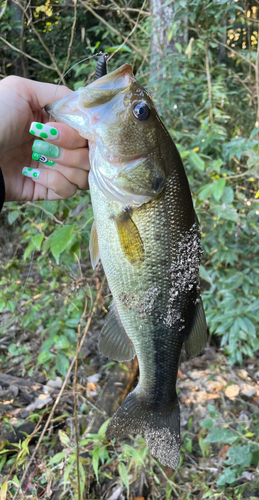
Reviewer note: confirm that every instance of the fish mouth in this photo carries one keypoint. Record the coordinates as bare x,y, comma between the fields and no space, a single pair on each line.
95,94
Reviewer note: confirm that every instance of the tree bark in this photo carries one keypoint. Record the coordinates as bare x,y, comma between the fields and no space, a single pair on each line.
19,65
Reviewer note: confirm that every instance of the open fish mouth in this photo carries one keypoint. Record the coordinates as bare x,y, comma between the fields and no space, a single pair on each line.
123,163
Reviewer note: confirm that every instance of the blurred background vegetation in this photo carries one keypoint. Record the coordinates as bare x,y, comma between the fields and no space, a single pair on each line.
200,61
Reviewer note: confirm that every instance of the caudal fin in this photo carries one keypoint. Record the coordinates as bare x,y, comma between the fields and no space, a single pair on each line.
161,429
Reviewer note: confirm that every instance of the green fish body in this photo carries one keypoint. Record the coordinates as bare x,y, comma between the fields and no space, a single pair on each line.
147,236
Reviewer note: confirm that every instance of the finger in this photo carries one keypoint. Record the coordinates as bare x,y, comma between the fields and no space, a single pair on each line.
40,94
51,155
60,133
52,178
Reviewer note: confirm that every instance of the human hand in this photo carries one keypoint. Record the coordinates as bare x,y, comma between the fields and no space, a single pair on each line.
21,103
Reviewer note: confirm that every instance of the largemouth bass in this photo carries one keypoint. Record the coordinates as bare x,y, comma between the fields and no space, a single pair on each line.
147,236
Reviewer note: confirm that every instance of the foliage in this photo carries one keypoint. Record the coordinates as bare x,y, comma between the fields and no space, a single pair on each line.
208,100
207,94
243,438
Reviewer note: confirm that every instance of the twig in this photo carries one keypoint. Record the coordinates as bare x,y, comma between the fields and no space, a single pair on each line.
207,64
70,44
26,55
113,29
127,37
236,53
118,8
257,83
41,40
129,9
43,210
75,397
90,317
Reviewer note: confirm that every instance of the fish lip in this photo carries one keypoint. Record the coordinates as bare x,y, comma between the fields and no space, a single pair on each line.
122,74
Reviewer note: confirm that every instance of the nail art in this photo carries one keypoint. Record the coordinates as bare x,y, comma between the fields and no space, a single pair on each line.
43,159
31,172
45,149
43,131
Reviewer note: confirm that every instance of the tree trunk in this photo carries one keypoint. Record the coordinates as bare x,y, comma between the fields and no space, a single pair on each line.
18,65
165,33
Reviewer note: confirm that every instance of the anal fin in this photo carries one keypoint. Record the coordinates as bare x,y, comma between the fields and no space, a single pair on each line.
198,335
114,342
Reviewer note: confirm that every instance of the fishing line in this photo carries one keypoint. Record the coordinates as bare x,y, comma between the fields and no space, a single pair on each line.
46,187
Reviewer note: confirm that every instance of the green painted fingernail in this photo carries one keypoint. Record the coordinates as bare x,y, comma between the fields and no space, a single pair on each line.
43,131
46,149
31,172
42,159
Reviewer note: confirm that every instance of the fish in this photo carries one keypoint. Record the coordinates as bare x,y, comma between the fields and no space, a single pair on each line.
147,235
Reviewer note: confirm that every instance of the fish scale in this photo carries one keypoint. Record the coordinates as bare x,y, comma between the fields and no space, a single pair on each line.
147,236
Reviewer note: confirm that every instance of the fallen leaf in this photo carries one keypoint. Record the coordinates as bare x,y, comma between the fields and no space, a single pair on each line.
248,390
91,386
94,378
182,377
139,498
39,403
232,391
223,452
212,396
242,374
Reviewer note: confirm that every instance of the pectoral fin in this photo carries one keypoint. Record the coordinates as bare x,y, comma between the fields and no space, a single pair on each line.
197,338
114,341
130,239
94,247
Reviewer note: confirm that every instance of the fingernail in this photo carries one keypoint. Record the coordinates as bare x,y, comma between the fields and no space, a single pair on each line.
31,172
46,149
44,131
42,159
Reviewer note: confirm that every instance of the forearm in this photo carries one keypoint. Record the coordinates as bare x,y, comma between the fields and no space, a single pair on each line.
2,190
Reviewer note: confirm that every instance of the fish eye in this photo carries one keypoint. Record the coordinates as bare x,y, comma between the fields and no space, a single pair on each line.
141,110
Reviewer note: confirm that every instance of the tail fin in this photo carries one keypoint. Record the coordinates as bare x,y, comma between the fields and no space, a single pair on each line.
161,429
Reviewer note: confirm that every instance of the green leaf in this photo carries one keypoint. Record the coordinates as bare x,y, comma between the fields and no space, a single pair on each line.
60,240
12,216
205,192
131,452
62,364
208,423
50,206
62,343
64,438
228,477
124,475
239,455
218,188
102,430
221,436
95,462
58,457
196,161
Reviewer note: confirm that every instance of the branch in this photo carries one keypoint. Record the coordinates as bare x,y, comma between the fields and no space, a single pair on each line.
236,53
26,55
112,28
71,37
40,40
86,329
118,8
127,37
